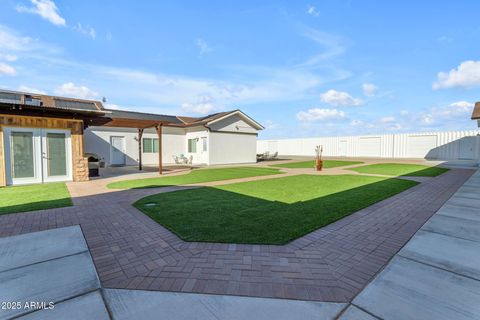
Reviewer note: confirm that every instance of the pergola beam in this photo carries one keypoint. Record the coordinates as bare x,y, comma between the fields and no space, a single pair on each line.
140,134
158,128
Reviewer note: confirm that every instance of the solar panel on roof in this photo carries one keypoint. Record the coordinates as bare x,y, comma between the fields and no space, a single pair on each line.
69,104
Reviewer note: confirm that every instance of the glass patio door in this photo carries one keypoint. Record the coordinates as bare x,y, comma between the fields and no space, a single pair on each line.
55,155
24,160
37,155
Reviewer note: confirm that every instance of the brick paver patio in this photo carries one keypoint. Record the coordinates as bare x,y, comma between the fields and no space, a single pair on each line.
331,264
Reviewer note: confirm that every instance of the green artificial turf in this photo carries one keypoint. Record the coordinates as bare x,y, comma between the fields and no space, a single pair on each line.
311,164
195,176
271,211
401,169
34,197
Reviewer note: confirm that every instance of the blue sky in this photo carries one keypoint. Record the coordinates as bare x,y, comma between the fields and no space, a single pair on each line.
302,68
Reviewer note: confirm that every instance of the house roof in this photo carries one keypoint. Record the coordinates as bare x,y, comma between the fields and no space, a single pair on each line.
191,121
123,114
108,117
212,118
476,111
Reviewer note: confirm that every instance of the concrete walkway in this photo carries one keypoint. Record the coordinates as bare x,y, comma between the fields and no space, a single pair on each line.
54,267
437,274
49,267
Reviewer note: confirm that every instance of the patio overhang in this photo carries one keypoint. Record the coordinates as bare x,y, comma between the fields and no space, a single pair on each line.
141,125
476,112
133,123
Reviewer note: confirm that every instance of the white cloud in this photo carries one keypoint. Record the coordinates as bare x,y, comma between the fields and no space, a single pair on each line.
427,119
332,45
339,99
113,106
203,46
462,105
69,89
248,84
47,9
10,41
387,119
317,114
86,30
356,123
369,89
8,57
6,69
202,108
439,116
311,10
30,90
270,125
466,75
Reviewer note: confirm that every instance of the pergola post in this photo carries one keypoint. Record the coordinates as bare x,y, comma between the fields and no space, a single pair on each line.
140,134
158,128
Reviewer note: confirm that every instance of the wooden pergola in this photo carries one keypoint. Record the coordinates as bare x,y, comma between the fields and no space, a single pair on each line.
141,125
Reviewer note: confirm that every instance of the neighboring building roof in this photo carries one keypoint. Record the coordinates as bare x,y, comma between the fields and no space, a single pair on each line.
42,101
476,111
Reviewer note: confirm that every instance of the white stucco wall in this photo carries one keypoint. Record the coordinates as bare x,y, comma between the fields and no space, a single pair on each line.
229,141
232,148
197,133
97,140
234,123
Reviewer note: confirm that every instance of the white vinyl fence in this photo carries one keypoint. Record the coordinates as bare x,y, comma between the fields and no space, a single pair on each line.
454,145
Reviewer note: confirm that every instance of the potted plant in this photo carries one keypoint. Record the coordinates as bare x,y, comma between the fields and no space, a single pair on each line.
318,160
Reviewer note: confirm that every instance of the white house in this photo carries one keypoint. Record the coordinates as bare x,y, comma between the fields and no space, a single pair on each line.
220,138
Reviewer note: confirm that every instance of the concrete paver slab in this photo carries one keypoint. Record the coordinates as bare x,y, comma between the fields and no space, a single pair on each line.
453,254
354,313
18,251
465,202
460,212
410,290
138,304
88,306
49,281
455,227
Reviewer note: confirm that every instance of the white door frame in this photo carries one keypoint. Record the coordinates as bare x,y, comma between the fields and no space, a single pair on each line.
45,156
39,163
123,150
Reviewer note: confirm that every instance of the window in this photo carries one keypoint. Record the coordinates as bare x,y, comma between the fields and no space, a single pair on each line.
204,144
192,145
150,145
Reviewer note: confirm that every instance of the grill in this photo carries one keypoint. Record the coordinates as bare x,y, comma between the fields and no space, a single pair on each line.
94,164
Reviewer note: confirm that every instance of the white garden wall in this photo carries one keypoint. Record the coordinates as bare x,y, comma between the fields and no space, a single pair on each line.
454,145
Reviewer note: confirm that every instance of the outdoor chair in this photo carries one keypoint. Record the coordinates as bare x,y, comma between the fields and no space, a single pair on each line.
177,160
274,156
